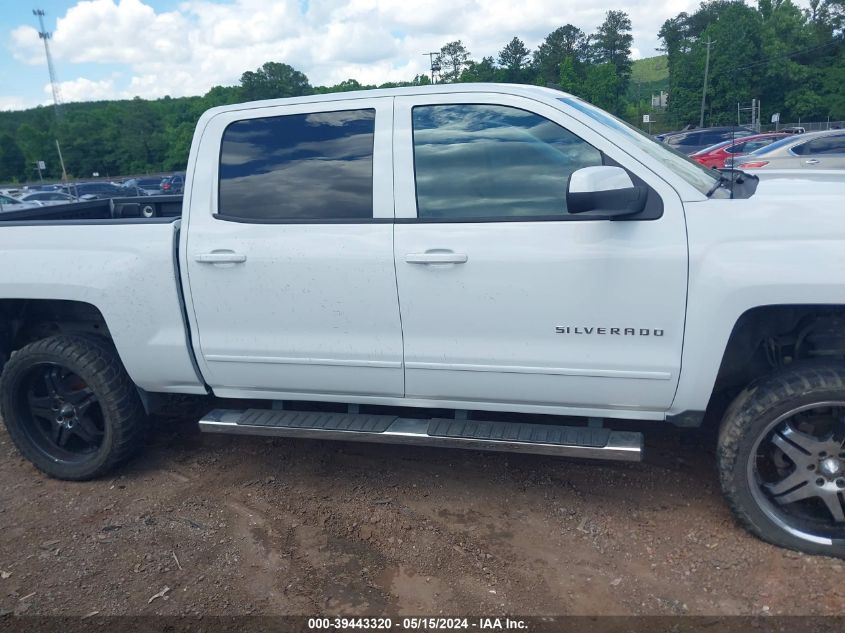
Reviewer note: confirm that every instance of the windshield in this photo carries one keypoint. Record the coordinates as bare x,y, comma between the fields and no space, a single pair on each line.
700,177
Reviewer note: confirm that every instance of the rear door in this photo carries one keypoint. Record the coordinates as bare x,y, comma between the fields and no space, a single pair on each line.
506,299
289,252
827,152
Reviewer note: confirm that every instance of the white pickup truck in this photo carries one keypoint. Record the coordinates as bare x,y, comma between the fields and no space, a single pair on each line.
411,265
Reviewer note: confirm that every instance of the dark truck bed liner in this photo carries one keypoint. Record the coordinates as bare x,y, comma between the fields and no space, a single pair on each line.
141,208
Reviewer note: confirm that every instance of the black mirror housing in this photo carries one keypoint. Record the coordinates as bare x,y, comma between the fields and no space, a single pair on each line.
610,203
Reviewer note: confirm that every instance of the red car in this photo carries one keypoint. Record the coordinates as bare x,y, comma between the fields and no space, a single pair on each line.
715,155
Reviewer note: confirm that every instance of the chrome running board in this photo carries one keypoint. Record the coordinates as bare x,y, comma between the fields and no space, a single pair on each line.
515,437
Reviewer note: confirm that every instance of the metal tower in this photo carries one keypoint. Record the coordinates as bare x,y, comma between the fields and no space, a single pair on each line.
54,84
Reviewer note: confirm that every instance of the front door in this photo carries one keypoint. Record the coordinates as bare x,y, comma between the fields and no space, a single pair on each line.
507,301
289,252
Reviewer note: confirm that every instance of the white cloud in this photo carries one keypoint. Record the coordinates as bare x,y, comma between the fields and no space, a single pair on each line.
203,43
83,89
13,103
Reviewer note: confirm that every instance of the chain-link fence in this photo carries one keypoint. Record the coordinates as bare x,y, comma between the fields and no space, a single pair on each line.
809,126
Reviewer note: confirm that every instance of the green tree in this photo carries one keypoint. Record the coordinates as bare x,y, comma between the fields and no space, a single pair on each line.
453,58
565,41
35,143
569,80
513,58
272,81
601,85
12,161
611,44
758,54
482,71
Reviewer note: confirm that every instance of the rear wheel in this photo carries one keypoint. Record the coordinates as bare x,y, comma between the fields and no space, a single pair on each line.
782,458
70,407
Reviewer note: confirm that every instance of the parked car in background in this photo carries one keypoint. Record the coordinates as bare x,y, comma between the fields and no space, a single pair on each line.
813,150
94,190
144,186
795,129
47,198
715,155
691,141
8,203
173,184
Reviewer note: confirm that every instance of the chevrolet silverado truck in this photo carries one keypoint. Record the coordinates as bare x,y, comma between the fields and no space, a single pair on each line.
491,267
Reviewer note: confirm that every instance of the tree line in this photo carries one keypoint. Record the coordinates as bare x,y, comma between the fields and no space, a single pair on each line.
791,59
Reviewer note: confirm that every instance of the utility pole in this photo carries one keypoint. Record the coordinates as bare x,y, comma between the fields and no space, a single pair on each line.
434,61
54,84
704,89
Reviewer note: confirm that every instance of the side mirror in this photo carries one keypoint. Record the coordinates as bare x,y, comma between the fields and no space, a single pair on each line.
604,191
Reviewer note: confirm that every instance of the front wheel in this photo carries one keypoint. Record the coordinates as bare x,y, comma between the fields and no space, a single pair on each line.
70,407
782,459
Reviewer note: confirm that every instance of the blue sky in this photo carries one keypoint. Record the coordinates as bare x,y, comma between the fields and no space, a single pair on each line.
151,48
26,82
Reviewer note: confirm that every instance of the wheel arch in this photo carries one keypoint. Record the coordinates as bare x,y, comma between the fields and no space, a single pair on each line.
23,321
770,337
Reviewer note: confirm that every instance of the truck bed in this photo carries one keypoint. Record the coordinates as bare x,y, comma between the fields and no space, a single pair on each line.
141,208
124,267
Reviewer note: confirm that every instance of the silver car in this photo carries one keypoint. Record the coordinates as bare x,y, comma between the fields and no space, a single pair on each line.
8,203
814,150
47,198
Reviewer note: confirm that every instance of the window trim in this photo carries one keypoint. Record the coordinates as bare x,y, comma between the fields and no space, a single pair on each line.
225,217
241,220
567,217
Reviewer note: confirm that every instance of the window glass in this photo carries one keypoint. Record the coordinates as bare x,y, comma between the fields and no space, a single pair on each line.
299,167
801,149
750,146
490,161
834,144
709,138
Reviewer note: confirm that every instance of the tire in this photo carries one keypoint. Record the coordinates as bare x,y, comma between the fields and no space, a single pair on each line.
781,461
70,407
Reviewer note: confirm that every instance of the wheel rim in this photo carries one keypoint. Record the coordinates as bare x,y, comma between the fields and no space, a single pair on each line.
796,472
62,417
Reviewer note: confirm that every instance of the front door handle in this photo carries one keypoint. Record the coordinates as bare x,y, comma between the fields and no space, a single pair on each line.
221,257
437,257
811,161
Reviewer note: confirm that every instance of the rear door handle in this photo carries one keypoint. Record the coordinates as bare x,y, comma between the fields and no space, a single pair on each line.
811,161
436,258
221,257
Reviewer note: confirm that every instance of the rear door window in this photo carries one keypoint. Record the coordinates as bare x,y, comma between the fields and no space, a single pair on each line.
834,144
299,167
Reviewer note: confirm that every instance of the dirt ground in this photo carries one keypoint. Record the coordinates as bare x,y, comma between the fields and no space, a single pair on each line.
205,524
